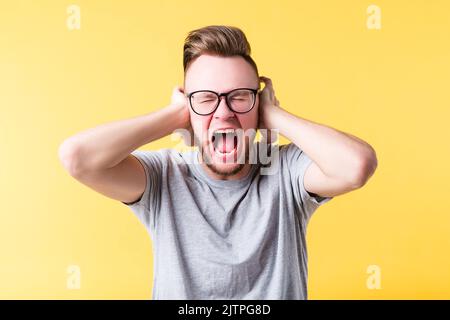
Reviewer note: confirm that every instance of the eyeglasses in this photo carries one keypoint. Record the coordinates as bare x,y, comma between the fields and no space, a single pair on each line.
206,102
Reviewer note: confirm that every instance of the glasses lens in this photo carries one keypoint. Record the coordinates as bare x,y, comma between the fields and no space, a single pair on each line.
241,100
203,102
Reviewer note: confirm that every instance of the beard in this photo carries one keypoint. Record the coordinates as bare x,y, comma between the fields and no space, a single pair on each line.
225,172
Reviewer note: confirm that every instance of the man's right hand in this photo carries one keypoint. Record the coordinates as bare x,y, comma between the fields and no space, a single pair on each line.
101,158
180,100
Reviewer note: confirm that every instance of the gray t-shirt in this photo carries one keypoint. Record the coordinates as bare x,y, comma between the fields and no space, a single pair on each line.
226,239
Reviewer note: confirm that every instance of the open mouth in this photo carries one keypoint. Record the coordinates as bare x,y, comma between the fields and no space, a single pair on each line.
224,142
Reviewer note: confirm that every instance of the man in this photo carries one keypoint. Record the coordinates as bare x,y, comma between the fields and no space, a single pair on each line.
220,228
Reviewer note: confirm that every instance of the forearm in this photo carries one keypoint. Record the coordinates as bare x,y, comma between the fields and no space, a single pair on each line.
337,154
107,145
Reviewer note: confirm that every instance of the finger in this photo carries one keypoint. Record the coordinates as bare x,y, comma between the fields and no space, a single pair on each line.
261,80
266,80
269,85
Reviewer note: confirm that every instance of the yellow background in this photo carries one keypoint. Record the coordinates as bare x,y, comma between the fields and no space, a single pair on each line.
391,87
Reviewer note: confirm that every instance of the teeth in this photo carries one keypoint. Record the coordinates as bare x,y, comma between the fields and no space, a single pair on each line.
221,133
224,131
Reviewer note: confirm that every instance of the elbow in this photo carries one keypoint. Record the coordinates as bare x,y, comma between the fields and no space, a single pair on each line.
69,156
367,164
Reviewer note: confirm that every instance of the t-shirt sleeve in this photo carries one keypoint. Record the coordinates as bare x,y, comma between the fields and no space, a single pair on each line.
147,206
296,162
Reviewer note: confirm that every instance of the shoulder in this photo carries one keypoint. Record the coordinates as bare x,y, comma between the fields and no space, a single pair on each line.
166,161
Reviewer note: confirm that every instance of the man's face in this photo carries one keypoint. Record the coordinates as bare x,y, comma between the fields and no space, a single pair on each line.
221,150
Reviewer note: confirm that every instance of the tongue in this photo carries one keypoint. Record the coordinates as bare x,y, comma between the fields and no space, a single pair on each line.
226,143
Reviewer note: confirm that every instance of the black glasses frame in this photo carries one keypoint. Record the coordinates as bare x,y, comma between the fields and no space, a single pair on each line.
219,95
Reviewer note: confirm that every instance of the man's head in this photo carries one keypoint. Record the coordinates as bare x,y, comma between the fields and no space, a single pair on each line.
217,60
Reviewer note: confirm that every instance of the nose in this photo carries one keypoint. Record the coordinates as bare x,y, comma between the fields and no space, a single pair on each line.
223,111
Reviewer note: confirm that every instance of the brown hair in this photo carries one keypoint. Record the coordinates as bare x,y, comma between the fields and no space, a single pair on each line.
225,41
